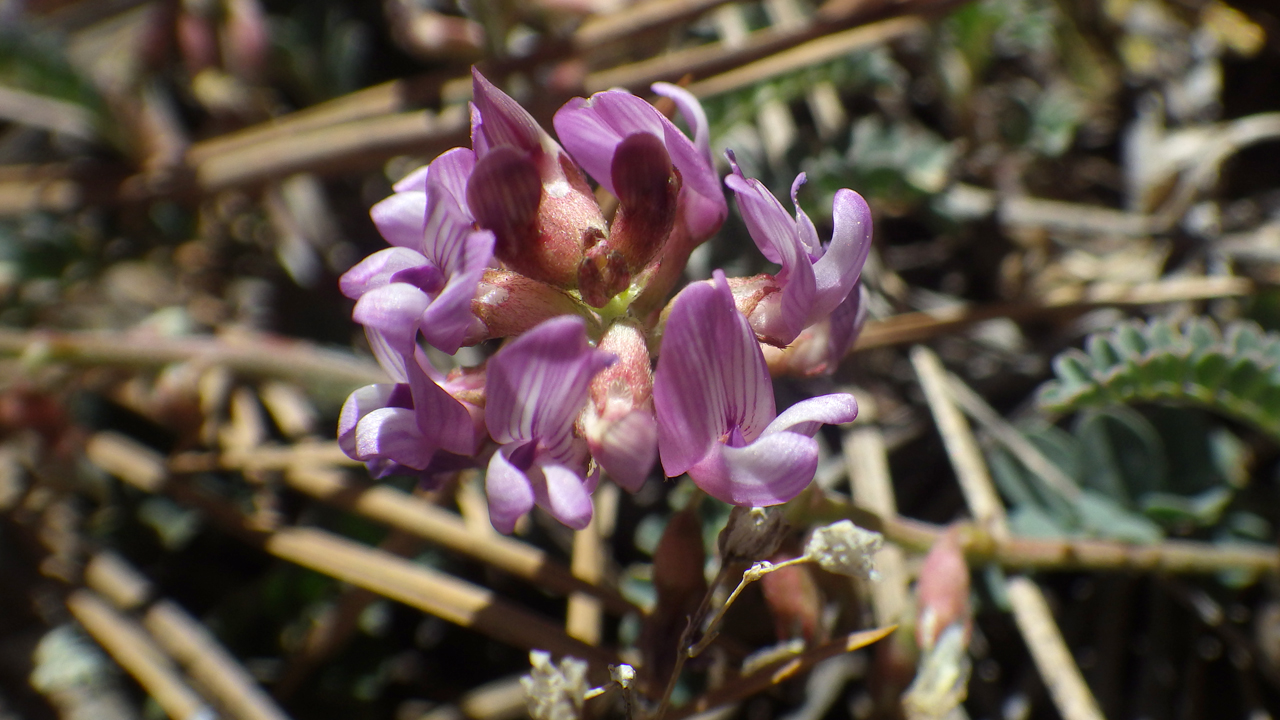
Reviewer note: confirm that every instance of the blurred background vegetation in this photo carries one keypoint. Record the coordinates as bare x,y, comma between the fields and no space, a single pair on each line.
1084,193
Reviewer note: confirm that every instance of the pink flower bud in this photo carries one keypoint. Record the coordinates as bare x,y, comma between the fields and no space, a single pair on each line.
618,423
508,303
246,38
527,190
942,593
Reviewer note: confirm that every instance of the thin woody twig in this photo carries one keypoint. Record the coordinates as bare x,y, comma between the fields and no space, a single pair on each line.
818,50
358,144
428,590
336,625
640,17
1023,449
966,457
261,356
418,586
705,60
425,520
1071,696
780,671
184,639
129,645
920,326
868,461
278,357
1052,657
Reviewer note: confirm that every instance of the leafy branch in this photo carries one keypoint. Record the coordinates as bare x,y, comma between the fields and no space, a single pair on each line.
1236,373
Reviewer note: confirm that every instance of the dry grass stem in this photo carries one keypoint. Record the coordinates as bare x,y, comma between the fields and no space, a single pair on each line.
185,640
705,60
385,99
46,113
746,686
262,356
306,452
425,520
1058,670
638,18
428,590
357,144
1071,696
868,462
337,624
1022,448
820,50
129,645
584,616
962,447
919,326
1019,553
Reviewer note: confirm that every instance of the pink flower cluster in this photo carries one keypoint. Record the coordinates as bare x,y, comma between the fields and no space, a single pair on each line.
507,240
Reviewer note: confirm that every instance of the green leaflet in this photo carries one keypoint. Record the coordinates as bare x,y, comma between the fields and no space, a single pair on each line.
1236,373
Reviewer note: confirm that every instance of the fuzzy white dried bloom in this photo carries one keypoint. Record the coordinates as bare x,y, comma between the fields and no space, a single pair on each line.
845,549
623,675
751,534
555,693
942,679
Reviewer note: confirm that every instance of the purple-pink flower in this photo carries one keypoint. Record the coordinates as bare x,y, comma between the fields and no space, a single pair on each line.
536,387
814,279
506,240
527,190
414,427
618,423
715,407
426,281
596,128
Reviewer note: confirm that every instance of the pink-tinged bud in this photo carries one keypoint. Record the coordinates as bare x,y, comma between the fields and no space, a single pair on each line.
504,192
508,303
246,38
602,274
618,422
759,298
548,242
680,584
942,592
820,347
467,384
648,187
197,39
793,599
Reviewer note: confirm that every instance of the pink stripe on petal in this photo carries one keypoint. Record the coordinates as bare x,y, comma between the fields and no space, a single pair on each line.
711,377
537,384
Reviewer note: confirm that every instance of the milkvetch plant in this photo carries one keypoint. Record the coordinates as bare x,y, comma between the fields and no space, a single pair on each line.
600,371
